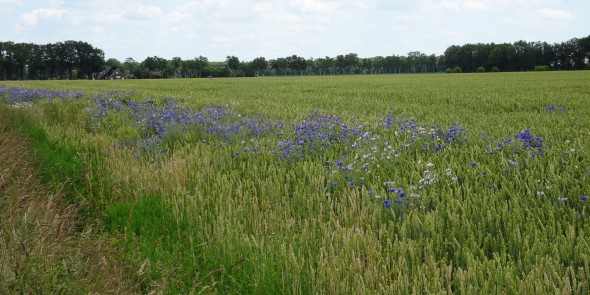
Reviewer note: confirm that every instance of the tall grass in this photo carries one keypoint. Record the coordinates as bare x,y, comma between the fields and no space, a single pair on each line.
45,247
388,184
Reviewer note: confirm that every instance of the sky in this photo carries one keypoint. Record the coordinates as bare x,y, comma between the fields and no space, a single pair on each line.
271,29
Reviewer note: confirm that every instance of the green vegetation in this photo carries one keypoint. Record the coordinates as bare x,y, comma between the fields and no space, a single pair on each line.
46,245
472,184
541,68
73,60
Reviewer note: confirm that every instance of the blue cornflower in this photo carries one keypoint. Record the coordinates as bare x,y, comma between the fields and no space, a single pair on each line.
351,183
370,192
485,173
334,184
473,164
387,203
583,198
491,187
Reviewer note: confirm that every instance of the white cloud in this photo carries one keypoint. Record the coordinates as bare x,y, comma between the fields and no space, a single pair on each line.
31,18
316,6
143,12
554,14
482,5
474,5
452,5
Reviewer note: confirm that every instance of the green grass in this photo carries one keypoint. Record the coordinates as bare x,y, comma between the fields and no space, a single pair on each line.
198,219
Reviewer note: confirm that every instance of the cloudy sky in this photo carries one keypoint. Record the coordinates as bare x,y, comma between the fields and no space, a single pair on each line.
279,28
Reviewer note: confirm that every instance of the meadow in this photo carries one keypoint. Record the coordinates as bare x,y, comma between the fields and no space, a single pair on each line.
388,184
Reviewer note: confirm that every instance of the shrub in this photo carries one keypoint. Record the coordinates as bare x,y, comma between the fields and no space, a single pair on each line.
457,70
448,71
480,70
495,70
541,68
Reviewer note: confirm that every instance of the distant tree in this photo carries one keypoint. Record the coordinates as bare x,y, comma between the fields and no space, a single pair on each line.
297,64
154,66
233,64
325,65
132,68
37,64
175,67
480,69
352,62
416,61
457,70
433,62
20,59
90,59
495,70
279,65
259,64
215,71
378,64
70,58
195,67
340,64
452,56
584,47
113,62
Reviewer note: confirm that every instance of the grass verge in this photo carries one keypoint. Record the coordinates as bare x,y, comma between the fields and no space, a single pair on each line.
45,247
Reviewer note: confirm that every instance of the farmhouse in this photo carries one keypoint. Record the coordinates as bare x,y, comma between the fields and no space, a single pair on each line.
111,73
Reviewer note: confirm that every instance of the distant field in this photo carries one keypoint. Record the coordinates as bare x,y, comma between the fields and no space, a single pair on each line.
466,183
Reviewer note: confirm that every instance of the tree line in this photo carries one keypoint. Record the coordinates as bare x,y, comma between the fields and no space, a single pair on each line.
61,60
79,60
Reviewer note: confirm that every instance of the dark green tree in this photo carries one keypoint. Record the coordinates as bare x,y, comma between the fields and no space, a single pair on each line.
233,64
260,65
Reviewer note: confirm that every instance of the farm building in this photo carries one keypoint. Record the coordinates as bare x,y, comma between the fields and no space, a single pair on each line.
111,73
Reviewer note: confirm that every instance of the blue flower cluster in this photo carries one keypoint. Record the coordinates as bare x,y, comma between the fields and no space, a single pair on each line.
354,154
26,97
313,135
555,108
161,125
432,138
522,142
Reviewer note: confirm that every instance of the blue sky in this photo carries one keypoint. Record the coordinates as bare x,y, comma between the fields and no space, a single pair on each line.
309,28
